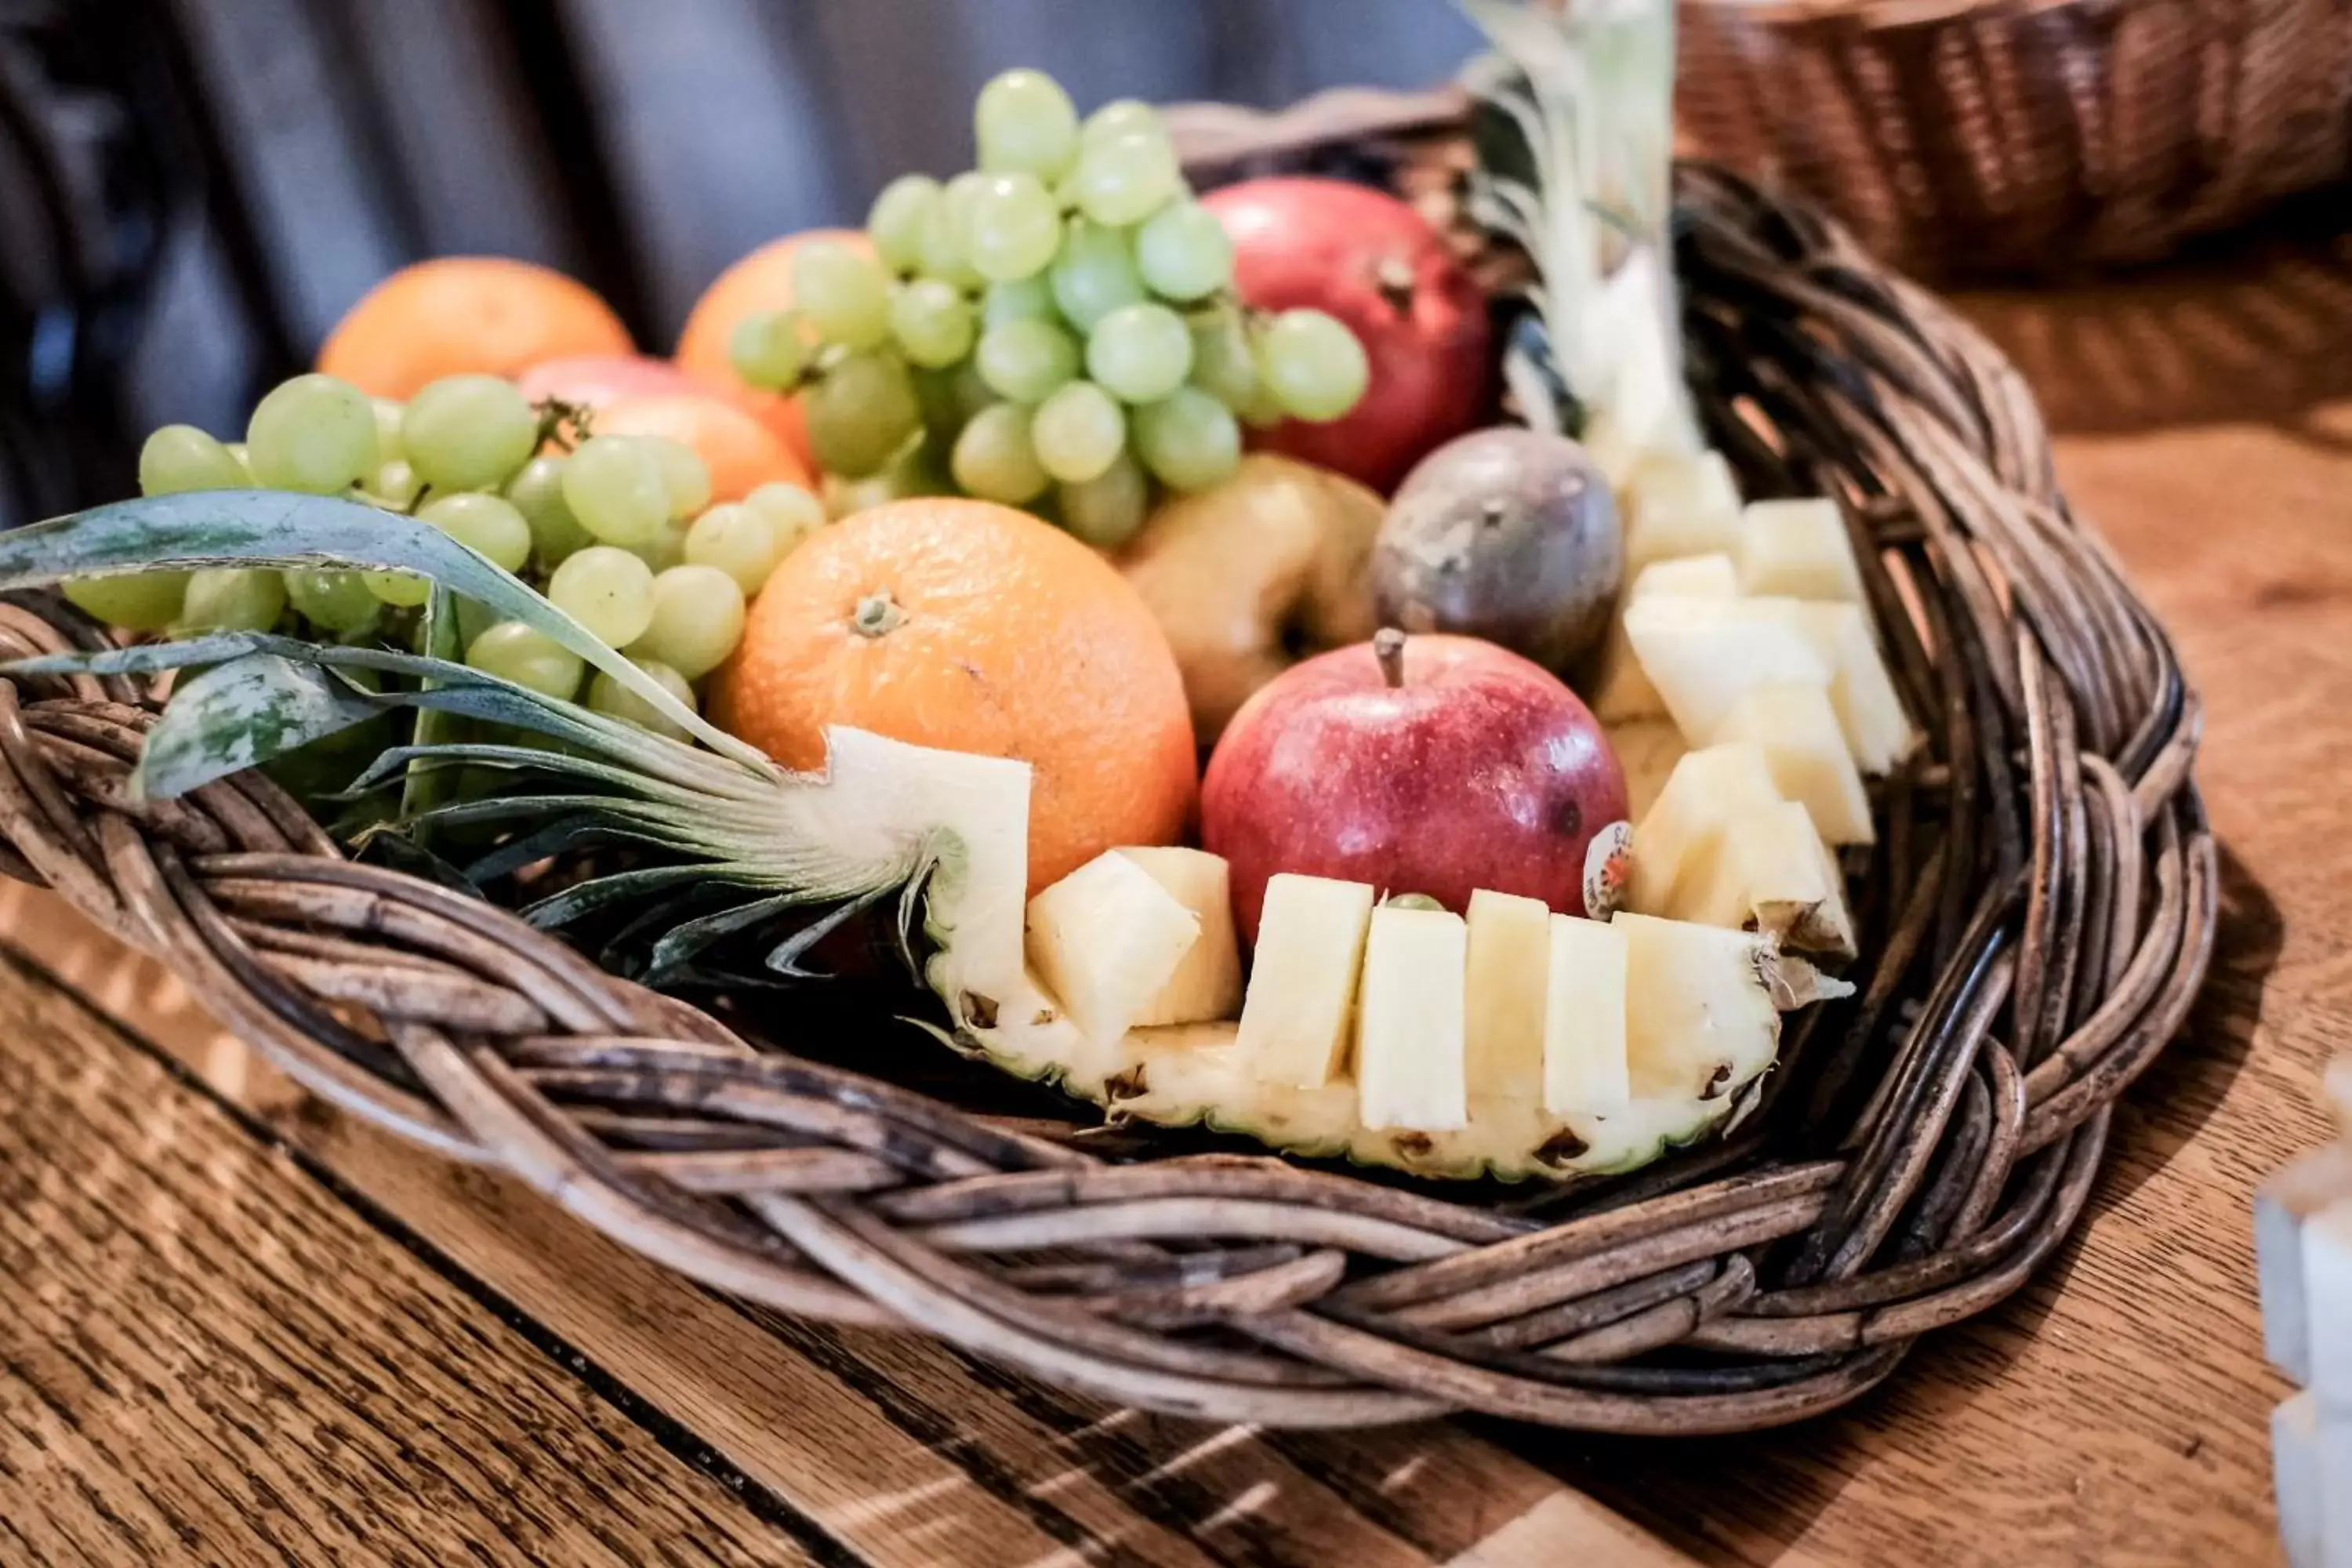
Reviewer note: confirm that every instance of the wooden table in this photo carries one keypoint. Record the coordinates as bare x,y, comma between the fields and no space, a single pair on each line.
234,1327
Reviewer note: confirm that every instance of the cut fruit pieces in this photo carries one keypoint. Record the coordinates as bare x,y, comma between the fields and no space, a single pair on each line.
1302,986
1410,1066
1877,732
1765,868
2311,1470
1798,550
1678,839
1798,730
1702,1006
1624,691
1649,749
1678,506
1702,655
1691,577
1510,946
1585,1066
1106,940
2282,1206
2327,1293
1207,979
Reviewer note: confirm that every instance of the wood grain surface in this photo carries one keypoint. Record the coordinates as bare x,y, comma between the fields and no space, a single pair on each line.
2114,1413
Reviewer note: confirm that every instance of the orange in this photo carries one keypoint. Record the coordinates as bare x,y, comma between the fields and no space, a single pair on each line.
761,281
458,314
741,453
973,627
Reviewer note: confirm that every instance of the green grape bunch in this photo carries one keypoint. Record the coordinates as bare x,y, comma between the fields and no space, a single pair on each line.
1057,329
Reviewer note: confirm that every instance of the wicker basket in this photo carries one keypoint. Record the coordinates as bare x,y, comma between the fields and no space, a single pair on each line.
2010,135
2038,918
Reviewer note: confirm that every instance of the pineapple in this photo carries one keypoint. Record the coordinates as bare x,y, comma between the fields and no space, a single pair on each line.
2283,1207
1690,577
1509,949
1678,840
1798,730
1770,872
1700,1014
1411,1071
1107,940
2311,1458
1585,1067
1310,947
1702,655
1877,731
1649,749
1207,979
2327,1295
1623,692
1798,550
1678,506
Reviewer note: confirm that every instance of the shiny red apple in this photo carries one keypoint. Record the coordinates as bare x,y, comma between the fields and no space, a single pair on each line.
1371,260
1424,764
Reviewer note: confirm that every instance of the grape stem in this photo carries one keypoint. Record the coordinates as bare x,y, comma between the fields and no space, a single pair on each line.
556,416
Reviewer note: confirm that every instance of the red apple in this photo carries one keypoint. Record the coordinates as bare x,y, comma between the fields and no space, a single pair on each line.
1426,764
1368,258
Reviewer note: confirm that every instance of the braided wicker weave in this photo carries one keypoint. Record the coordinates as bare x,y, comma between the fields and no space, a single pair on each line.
2037,919
2022,134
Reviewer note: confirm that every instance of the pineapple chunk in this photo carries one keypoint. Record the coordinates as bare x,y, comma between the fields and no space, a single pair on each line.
1623,692
2311,1467
1806,750
1678,839
1648,750
1410,1066
1106,940
1509,948
1798,548
1699,1006
1691,577
1877,732
1678,506
1207,984
1702,655
2282,1206
1585,1069
2327,1296
1769,872
1310,945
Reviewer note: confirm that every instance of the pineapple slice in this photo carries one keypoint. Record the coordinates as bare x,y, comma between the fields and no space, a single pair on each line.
1509,948
1411,1061
2282,1205
1679,839
1208,980
2327,1296
1678,506
1877,732
1769,872
1702,655
1310,946
1585,1066
1690,577
1798,550
1623,692
1699,1006
1649,749
1106,940
1806,750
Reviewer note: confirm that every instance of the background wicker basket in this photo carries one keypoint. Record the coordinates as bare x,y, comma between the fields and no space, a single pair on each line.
2034,136
2036,921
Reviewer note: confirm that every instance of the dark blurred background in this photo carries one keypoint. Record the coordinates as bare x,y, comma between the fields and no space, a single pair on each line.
193,191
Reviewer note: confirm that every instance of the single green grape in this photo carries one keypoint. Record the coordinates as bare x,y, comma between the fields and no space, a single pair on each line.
607,590
740,540
796,512
861,413
614,487
529,657
1025,359
1183,252
609,697
337,601
135,601
844,296
388,415
1095,275
1022,299
1140,354
932,321
231,599
894,223
488,524
1189,440
664,550
686,478
537,492
1223,366
1119,117
1126,176
177,459
1013,227
698,620
467,432
1312,364
993,458
765,349
1024,123
402,590
1078,432
1110,509
943,256
313,434
395,485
